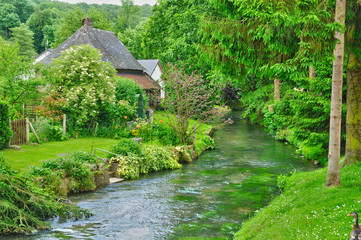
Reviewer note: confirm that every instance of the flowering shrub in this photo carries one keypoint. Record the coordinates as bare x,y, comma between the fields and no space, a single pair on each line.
51,106
123,111
85,82
188,97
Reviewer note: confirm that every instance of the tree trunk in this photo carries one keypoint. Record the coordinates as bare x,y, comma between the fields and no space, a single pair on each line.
277,89
333,171
311,72
353,117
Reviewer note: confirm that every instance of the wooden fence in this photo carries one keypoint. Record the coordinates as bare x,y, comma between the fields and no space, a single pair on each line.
20,132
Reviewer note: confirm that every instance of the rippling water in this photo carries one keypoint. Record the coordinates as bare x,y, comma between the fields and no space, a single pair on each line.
207,199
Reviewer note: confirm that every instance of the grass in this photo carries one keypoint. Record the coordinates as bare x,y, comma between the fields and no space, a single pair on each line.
35,155
308,210
202,132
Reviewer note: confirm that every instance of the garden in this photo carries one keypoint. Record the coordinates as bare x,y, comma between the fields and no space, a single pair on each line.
106,126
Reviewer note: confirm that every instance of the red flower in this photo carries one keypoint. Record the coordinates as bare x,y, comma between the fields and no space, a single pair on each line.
116,127
125,117
160,121
138,126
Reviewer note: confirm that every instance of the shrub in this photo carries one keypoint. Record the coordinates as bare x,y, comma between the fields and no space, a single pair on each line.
188,97
126,89
158,132
75,166
153,158
5,131
126,146
47,130
85,82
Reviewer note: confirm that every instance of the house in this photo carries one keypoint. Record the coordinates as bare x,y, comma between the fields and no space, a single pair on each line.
113,51
154,69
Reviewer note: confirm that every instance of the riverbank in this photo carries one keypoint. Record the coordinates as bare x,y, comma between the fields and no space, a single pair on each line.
308,210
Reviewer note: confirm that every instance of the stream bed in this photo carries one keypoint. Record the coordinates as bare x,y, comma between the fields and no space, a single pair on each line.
208,199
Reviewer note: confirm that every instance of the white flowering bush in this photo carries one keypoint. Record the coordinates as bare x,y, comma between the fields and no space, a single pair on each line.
85,82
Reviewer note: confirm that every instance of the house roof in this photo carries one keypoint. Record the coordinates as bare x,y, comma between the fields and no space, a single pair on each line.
143,79
149,65
112,49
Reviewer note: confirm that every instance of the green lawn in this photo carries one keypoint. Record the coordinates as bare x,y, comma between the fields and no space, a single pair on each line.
34,155
309,210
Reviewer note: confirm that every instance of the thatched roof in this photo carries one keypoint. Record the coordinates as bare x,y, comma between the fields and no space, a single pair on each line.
112,49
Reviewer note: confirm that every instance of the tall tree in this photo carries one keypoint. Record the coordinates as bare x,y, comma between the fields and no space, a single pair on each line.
8,17
24,38
353,118
37,22
333,170
14,12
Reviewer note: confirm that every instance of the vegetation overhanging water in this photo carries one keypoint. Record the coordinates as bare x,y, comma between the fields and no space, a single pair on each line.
209,198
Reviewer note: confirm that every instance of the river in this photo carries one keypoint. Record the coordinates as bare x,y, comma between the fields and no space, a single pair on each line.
208,199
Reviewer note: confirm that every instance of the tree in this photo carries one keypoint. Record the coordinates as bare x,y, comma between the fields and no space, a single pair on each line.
8,17
40,23
333,170
188,97
14,12
18,85
353,118
24,38
72,21
85,82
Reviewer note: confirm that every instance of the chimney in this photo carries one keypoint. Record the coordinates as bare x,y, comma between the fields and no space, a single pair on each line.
87,24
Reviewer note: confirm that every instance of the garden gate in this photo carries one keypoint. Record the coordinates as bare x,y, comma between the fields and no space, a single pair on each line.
20,132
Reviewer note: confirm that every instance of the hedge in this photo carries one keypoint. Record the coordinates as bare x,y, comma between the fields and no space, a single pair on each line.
5,131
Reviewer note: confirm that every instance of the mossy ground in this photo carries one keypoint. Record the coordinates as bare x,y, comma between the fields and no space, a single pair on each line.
309,210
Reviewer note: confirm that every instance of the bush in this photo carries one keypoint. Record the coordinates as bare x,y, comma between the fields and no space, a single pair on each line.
126,146
126,89
153,158
75,166
5,130
158,132
47,130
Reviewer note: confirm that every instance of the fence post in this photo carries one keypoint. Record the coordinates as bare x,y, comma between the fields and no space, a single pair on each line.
64,124
27,130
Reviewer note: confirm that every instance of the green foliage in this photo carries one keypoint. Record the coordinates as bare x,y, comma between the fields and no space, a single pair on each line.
42,24
17,85
307,208
25,207
47,130
188,97
126,146
153,158
76,167
85,82
158,132
127,89
24,38
5,130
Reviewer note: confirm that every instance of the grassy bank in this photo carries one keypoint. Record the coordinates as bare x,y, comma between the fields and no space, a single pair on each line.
308,210
34,155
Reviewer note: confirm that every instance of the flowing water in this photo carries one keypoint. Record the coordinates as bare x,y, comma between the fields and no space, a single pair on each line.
208,199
